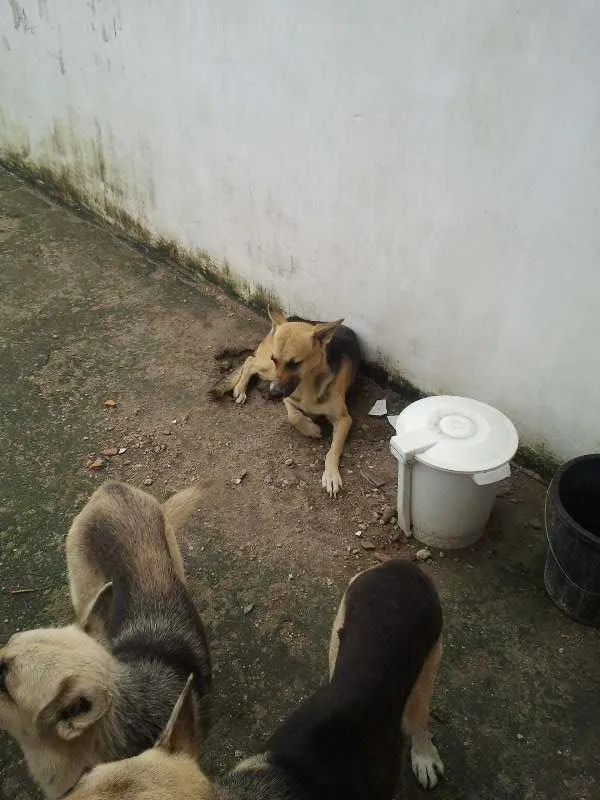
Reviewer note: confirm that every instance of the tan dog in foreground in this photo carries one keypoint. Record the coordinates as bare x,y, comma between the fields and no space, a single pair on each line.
103,688
311,366
344,742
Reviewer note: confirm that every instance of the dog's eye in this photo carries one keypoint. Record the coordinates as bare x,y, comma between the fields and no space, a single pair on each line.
293,364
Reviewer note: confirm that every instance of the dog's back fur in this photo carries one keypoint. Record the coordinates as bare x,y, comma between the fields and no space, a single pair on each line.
149,619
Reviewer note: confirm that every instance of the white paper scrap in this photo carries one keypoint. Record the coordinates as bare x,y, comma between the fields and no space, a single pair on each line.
379,409
392,420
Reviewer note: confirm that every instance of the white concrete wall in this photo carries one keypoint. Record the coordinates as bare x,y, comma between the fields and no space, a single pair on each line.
430,170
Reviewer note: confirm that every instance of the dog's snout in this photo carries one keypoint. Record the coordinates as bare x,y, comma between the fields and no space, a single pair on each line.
279,389
276,390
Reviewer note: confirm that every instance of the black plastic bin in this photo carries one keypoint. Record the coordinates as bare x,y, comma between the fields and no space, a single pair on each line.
572,572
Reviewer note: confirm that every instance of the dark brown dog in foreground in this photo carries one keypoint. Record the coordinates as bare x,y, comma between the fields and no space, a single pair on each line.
311,366
343,743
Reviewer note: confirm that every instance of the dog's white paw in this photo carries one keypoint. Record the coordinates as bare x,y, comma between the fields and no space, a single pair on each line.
239,395
331,481
312,429
427,765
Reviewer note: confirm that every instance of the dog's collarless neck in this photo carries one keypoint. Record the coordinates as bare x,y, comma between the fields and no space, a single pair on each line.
74,786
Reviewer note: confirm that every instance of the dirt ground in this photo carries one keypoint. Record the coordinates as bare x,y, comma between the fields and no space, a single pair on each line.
84,317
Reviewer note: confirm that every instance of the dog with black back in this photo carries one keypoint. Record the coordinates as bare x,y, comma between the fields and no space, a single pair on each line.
103,688
344,742
310,366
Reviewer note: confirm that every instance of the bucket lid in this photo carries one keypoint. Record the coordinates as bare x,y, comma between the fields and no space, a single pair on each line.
456,434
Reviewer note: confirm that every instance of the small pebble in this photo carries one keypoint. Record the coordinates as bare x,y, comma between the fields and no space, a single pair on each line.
247,609
387,513
148,482
423,555
535,523
367,545
358,533
289,462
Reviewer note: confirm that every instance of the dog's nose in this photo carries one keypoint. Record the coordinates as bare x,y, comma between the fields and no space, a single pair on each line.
276,390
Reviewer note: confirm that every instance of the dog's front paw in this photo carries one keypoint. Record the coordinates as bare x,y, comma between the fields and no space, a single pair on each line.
331,481
427,765
239,395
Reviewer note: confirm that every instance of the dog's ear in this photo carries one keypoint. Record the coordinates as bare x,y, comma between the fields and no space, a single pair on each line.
95,617
179,734
276,317
323,331
77,704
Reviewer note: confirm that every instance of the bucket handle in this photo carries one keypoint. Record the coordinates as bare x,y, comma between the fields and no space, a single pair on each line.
556,561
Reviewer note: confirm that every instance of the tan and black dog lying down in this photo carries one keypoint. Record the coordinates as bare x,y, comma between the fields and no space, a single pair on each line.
103,688
344,743
311,365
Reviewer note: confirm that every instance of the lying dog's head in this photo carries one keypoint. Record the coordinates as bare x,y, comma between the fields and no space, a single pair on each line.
55,687
167,771
299,349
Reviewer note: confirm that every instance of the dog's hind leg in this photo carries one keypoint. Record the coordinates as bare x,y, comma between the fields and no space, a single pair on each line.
226,384
424,757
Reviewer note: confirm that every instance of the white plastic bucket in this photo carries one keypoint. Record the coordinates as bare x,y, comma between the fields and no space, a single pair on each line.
452,452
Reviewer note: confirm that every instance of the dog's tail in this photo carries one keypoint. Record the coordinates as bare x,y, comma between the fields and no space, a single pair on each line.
180,507
225,385
234,352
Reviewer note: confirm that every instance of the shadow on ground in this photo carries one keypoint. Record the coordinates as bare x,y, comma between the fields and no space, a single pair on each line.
85,318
